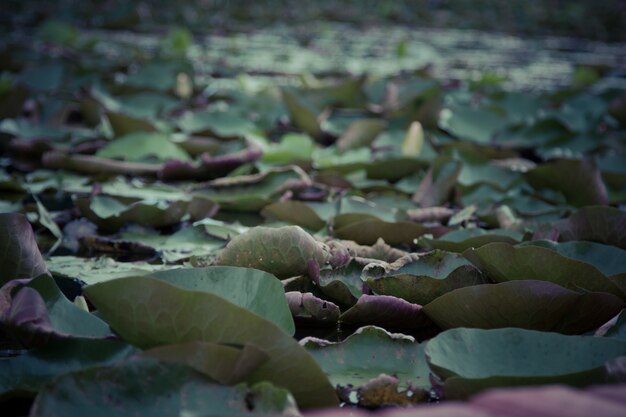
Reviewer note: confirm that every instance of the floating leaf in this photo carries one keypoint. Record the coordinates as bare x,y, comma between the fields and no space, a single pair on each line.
476,125
251,289
166,389
360,133
598,224
367,229
422,280
142,147
284,251
609,260
94,270
368,353
436,187
30,371
385,311
580,181
503,262
462,239
225,364
470,360
528,304
301,115
19,254
294,212
149,313
40,313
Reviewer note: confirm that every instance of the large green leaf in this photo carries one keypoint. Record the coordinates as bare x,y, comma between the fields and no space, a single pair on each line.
462,239
19,254
40,313
528,304
470,360
30,371
609,260
294,212
504,262
366,354
284,251
149,312
142,147
473,124
227,365
595,223
148,387
423,279
580,181
93,270
251,289
385,311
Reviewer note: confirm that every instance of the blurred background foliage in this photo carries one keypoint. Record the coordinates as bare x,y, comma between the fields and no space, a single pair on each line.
598,20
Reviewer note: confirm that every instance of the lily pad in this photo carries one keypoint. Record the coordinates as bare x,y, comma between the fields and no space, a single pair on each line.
462,239
369,352
504,262
251,289
422,280
367,229
19,254
528,304
29,372
595,223
471,360
143,147
579,181
609,260
94,270
149,312
436,187
166,389
385,311
294,212
40,313
227,365
284,251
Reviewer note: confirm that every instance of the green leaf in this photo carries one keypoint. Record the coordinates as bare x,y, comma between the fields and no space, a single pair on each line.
292,147
579,181
470,360
301,114
94,270
503,262
609,260
149,387
528,304
436,187
295,212
143,147
366,229
462,239
476,125
251,289
385,311
369,352
227,365
225,124
284,251
422,280
595,223
40,313
149,312
360,133
30,371
19,254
